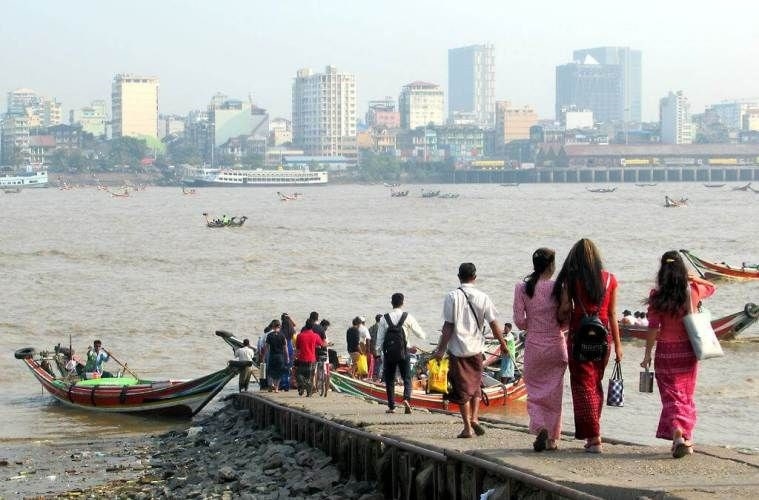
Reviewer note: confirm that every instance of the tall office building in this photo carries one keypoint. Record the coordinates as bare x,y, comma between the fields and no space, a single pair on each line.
630,64
134,106
674,119
420,104
471,83
324,112
587,84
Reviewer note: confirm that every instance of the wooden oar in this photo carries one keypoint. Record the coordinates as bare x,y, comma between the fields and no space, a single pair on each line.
122,364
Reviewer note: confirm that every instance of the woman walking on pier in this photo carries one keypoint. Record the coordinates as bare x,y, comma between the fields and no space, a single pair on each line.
545,352
583,285
675,364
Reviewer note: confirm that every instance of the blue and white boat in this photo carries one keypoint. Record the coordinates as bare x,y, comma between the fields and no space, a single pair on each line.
228,177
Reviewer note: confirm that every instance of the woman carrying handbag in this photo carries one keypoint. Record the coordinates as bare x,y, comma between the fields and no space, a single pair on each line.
675,364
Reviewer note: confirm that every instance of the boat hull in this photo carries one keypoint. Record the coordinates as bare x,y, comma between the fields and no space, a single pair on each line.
723,271
494,395
168,397
726,327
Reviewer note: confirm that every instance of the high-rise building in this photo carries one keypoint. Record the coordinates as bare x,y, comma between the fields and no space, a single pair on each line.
587,84
512,123
731,113
471,83
92,118
14,140
134,106
630,63
42,111
674,119
420,104
324,112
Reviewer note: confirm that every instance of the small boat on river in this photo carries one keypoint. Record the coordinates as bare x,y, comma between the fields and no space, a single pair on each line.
602,189
672,203
745,187
717,186
124,394
712,270
231,222
726,327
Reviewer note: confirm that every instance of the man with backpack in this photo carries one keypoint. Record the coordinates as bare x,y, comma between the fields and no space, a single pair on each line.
466,311
392,344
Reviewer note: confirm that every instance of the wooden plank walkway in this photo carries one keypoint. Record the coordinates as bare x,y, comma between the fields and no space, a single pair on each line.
624,470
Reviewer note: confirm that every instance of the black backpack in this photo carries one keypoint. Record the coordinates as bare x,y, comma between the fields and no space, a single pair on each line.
394,345
590,340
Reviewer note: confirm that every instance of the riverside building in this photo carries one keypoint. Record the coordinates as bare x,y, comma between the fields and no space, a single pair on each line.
471,83
420,104
675,120
324,113
134,106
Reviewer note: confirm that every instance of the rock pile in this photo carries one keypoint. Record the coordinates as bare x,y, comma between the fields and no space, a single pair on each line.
225,457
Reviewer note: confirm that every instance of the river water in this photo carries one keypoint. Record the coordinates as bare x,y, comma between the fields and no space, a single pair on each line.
147,277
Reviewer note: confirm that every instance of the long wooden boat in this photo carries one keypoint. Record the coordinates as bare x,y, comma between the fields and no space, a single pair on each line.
745,187
182,398
726,327
671,202
601,190
712,270
493,393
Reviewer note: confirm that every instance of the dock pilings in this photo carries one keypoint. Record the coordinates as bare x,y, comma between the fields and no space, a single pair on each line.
401,469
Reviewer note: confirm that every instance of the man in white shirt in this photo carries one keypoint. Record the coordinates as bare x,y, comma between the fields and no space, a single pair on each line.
466,310
245,353
409,326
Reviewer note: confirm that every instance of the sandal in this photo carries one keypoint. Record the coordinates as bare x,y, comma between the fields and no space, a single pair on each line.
540,441
478,429
594,446
464,435
680,448
390,410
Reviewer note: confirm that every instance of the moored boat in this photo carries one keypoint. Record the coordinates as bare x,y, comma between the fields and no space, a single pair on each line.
722,270
745,187
602,189
124,394
726,327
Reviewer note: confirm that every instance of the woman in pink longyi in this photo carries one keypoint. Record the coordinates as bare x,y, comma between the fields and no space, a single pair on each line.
545,352
675,364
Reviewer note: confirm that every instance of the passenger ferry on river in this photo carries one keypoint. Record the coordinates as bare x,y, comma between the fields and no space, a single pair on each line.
13,179
228,177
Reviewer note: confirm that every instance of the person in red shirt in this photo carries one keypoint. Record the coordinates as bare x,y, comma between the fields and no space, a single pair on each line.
305,359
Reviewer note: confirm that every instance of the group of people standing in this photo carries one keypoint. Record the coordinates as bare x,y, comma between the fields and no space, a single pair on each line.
551,312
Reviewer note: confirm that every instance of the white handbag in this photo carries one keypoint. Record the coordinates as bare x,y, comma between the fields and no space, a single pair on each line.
700,332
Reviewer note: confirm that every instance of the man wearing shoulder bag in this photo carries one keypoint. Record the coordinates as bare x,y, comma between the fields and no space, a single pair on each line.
466,310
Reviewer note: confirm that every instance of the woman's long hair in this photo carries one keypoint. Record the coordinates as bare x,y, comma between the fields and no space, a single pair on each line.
581,271
542,259
671,295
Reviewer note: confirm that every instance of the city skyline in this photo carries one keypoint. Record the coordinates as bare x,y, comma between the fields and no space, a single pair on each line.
240,49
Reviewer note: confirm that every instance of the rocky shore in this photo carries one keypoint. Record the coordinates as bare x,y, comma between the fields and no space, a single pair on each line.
222,456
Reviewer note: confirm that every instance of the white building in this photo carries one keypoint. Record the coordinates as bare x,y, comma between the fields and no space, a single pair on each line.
573,118
420,104
324,112
675,120
134,106
471,83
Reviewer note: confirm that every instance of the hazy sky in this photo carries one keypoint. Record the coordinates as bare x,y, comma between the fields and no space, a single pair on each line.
71,50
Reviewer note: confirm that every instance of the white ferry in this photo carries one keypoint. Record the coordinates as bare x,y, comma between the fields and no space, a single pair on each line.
23,179
227,177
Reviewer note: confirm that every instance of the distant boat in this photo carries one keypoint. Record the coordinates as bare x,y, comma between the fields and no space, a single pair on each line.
510,184
399,194
602,190
646,184
449,195
430,194
227,177
10,179
9,191
670,203
742,188
714,185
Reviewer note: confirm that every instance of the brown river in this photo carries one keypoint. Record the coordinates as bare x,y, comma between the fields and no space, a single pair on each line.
147,277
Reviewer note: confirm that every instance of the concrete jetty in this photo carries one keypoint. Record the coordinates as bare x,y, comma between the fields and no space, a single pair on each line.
419,456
